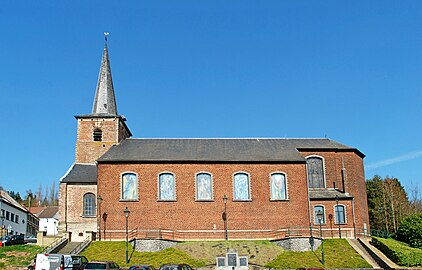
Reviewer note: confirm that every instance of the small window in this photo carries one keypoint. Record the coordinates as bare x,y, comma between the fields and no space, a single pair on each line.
89,205
278,186
17,219
317,209
340,214
166,187
98,135
12,217
129,186
241,187
204,187
315,170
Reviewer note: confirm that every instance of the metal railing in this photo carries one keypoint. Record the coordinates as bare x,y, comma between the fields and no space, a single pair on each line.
55,244
184,235
80,247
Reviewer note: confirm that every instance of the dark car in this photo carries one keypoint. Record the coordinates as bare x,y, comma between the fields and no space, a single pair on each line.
175,267
141,267
102,265
9,240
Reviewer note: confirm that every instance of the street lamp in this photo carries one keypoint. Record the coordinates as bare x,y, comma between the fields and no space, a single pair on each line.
127,212
100,200
320,216
226,235
2,224
105,223
338,216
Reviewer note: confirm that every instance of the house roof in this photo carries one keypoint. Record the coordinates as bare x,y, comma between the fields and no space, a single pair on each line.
48,212
36,209
80,173
218,150
327,194
5,197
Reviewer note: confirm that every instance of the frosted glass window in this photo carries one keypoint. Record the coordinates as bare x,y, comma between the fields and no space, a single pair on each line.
166,187
241,187
278,186
129,186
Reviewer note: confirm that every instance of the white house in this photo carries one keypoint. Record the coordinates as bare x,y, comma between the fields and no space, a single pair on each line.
13,216
49,220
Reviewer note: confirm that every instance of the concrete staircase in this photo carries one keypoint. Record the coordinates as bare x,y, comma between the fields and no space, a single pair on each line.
357,245
69,247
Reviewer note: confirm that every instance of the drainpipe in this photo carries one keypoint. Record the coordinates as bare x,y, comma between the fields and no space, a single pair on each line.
354,218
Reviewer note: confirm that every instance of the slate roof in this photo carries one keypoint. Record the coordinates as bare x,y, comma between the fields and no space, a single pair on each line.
81,173
5,197
218,150
327,194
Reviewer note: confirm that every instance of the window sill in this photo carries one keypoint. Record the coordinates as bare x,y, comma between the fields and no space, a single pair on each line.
248,200
204,200
166,200
88,216
122,200
277,200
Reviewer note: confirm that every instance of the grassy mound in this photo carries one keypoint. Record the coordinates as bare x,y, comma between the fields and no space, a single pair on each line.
338,254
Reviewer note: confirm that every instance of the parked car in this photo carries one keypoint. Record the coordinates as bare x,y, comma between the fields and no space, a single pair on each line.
102,265
141,266
30,239
59,261
9,240
175,267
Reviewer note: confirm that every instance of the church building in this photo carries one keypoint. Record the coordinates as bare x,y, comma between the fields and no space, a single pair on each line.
205,189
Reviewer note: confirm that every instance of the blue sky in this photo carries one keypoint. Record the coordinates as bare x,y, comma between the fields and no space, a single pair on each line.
347,70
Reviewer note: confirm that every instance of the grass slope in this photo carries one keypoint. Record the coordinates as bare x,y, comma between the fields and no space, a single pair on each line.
116,251
19,255
338,254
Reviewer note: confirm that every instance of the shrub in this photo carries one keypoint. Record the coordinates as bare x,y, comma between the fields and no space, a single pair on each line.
398,252
410,230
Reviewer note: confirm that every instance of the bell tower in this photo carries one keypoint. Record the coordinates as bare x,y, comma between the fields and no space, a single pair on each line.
102,128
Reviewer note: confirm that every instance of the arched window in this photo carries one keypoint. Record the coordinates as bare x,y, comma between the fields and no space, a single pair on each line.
318,208
129,186
315,169
166,187
278,186
97,135
89,205
204,187
340,214
241,187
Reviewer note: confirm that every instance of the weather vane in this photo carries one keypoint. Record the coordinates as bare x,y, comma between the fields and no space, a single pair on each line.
106,35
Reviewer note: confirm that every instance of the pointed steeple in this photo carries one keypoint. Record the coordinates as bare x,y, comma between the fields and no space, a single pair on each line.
105,101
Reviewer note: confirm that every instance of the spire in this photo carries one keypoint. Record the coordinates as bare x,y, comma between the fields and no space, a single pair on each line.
105,102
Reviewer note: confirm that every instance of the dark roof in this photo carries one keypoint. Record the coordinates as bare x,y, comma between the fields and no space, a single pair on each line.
48,212
81,173
327,194
217,150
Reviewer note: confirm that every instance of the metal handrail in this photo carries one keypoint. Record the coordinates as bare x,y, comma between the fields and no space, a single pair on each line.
81,246
55,244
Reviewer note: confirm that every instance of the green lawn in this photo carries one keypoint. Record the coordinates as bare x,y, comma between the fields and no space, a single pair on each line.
18,255
338,254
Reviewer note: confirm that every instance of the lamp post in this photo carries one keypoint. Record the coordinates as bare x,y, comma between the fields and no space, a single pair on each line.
226,235
127,212
2,224
320,216
338,216
100,200
105,223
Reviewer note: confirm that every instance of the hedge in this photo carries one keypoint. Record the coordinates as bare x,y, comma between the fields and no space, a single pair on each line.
398,252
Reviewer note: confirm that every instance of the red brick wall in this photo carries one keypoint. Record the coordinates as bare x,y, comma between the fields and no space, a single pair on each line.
187,214
354,183
88,150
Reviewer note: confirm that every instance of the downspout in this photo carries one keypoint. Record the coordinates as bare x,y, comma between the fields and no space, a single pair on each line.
354,218
343,175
